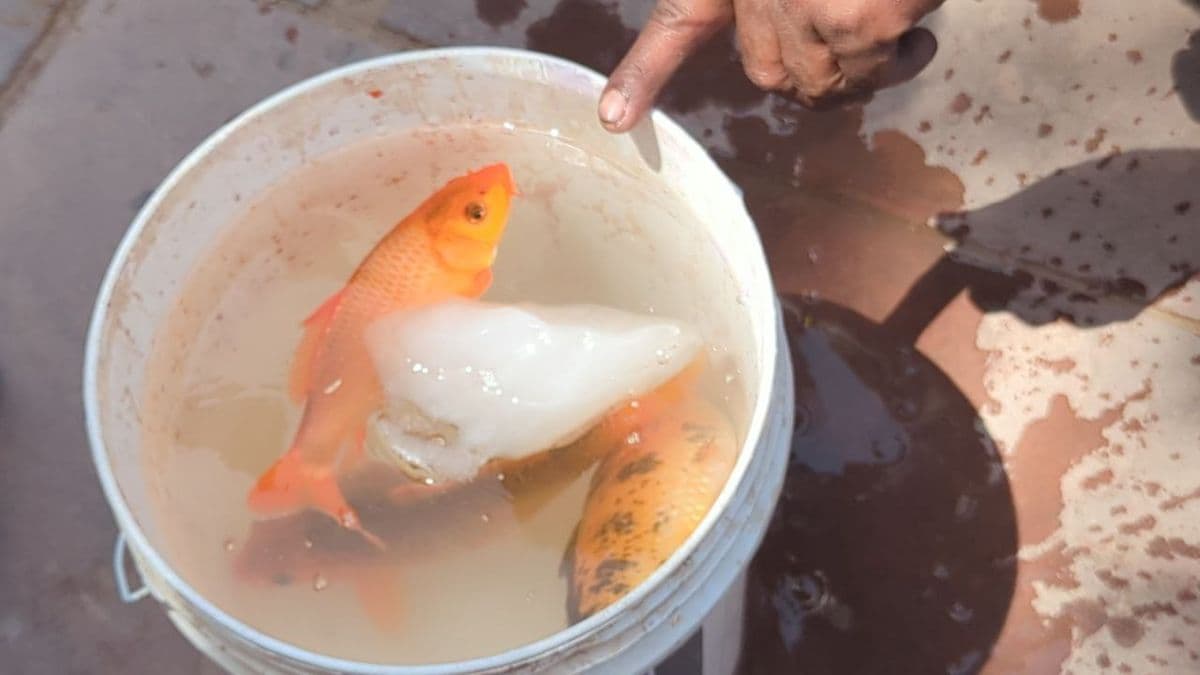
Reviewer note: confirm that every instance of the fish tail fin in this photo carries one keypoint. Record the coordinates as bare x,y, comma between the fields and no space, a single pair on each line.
292,484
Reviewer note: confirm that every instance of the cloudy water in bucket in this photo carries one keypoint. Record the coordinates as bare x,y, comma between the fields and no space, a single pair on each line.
471,572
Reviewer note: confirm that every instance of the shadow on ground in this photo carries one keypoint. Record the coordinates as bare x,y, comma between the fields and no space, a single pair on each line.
1094,242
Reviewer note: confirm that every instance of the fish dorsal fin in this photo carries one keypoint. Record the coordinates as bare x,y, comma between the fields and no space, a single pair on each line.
315,328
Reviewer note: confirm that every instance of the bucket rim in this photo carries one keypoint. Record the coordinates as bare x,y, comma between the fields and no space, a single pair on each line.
521,655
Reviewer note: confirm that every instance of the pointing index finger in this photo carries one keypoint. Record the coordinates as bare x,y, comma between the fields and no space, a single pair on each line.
675,29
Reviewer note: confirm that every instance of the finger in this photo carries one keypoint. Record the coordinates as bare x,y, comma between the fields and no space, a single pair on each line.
914,50
866,68
873,44
812,69
862,36
758,44
888,64
675,29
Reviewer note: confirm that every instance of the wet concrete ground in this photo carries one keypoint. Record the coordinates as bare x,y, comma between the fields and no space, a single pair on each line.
992,282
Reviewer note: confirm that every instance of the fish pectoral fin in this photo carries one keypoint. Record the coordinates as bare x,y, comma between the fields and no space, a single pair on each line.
291,485
480,283
315,328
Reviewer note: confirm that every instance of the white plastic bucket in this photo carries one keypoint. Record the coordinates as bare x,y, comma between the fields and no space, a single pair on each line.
452,86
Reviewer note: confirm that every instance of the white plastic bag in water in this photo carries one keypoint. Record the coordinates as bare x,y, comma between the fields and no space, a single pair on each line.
469,381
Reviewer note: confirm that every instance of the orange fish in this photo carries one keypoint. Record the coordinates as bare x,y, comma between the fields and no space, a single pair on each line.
445,248
665,465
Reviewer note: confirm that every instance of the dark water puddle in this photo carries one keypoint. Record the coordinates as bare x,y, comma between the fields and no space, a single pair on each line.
499,12
584,31
893,546
1185,71
1058,11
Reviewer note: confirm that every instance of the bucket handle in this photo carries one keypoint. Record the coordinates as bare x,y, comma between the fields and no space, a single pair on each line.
127,595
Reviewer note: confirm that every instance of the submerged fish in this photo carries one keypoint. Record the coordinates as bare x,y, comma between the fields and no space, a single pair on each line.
445,248
665,462
430,522
417,522
308,550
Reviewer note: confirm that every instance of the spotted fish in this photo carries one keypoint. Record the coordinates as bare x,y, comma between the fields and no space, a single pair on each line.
655,484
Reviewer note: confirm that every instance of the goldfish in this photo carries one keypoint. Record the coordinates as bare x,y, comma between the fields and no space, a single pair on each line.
665,462
444,248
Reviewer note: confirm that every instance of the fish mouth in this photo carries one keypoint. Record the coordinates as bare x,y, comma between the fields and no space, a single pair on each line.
497,174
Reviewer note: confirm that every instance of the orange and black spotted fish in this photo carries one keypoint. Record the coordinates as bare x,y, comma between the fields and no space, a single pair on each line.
664,465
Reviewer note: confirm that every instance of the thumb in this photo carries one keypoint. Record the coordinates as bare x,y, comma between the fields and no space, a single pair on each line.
676,28
914,50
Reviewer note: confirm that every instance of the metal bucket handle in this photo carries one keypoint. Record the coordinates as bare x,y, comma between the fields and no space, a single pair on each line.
127,595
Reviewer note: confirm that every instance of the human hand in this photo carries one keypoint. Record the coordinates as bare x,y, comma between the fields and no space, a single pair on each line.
822,52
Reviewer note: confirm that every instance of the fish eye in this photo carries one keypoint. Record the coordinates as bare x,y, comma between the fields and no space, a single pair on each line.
476,212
